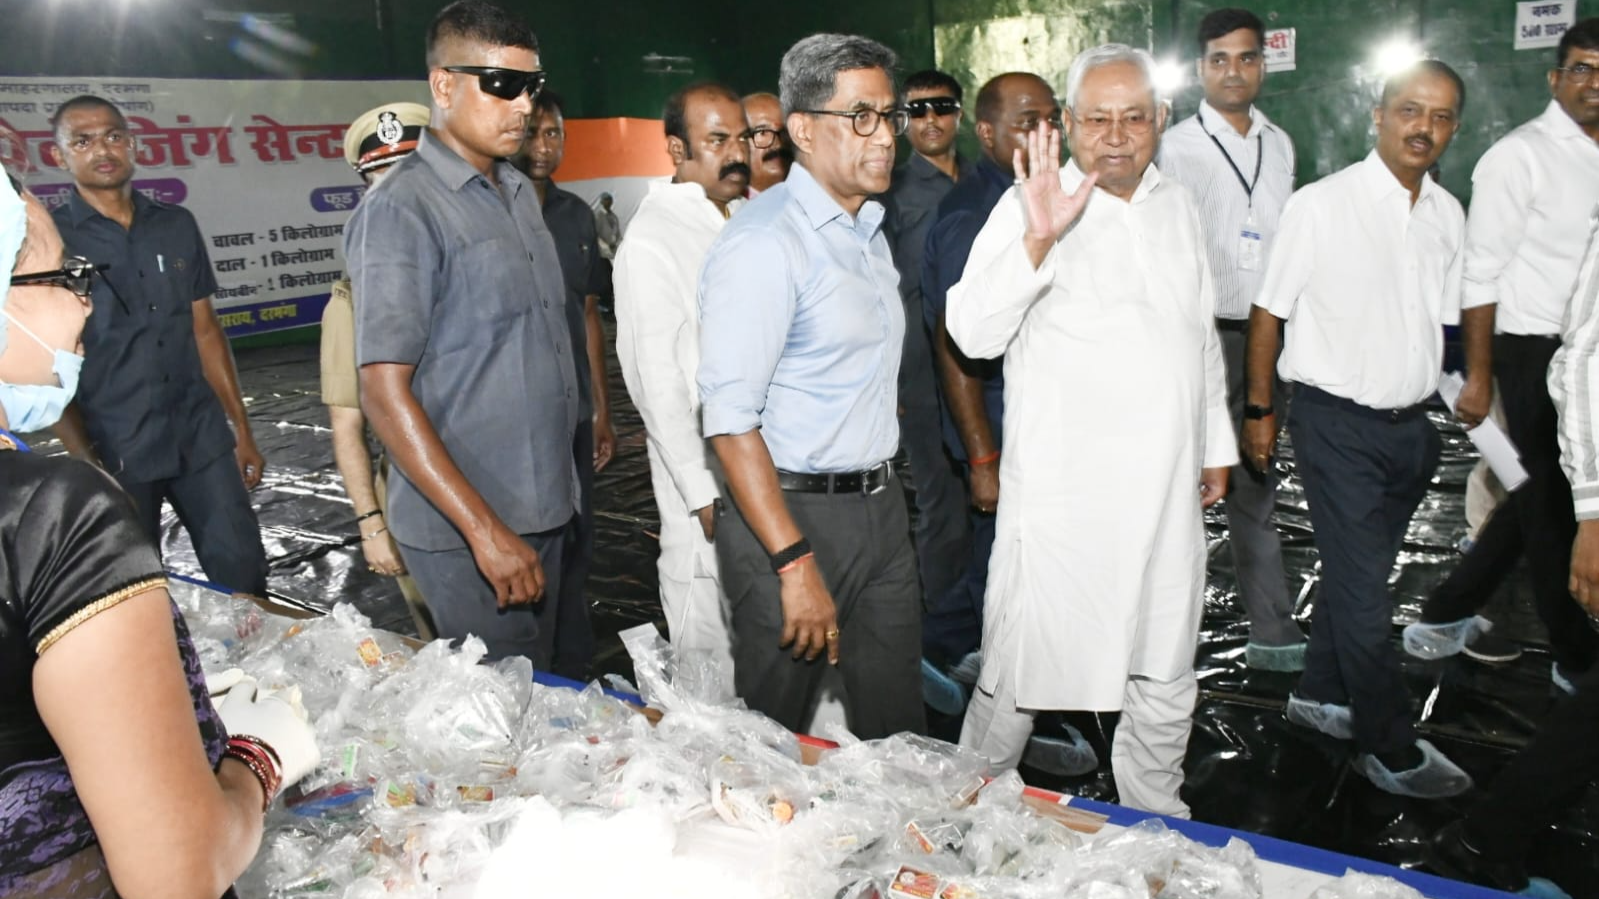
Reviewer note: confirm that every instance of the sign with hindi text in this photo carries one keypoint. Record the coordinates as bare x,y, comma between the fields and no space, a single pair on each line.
1280,46
259,163
1543,23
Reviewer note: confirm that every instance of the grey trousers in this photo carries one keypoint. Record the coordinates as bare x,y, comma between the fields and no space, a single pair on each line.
943,533
1252,535
462,602
862,546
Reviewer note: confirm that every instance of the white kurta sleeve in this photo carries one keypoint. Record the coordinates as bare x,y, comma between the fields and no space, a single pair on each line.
984,310
1574,387
1502,191
649,326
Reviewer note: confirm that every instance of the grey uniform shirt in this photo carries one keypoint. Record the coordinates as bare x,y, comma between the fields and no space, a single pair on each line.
462,281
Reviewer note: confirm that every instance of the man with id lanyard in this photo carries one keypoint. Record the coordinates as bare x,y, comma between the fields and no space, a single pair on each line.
1240,168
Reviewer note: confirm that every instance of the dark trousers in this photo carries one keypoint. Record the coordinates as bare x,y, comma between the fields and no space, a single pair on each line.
953,624
463,604
1363,476
1541,518
1547,775
215,509
943,538
863,550
574,633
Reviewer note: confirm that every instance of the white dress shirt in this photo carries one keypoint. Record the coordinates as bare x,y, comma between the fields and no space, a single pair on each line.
1574,382
1532,195
658,331
1189,156
1366,282
1115,399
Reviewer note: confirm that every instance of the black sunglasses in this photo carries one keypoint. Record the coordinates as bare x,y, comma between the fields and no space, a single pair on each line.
934,105
507,84
75,274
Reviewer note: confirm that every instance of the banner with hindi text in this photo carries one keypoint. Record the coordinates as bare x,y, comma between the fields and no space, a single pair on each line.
259,163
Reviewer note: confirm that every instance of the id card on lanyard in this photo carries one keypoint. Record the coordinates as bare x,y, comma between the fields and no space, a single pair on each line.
1251,242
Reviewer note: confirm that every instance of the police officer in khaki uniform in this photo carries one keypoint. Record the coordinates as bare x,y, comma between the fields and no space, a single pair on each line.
377,140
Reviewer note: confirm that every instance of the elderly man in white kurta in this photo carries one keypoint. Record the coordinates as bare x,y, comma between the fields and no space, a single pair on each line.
658,345
1116,434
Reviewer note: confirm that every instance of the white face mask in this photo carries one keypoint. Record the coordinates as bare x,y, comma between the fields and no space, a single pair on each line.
34,407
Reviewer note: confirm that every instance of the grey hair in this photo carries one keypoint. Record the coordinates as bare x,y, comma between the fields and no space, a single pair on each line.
808,76
1104,55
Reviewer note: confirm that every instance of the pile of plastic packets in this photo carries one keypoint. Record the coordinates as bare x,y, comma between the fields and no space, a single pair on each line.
444,777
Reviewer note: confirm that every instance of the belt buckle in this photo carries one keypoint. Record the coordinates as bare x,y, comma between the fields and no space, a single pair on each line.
866,489
1394,414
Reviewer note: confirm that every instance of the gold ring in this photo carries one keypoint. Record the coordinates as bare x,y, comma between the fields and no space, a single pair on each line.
832,634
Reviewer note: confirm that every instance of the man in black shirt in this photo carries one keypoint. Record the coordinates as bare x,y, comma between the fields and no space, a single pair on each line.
572,225
159,387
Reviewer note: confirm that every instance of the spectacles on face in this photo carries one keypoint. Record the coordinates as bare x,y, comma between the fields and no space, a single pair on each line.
764,138
1135,124
866,121
507,84
114,139
939,106
75,274
1579,75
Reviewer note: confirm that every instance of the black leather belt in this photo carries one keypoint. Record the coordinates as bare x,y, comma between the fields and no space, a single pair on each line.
1236,325
1323,398
869,481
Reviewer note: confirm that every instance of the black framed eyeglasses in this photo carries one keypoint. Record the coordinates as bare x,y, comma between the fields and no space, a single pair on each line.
507,84
867,120
75,274
1579,74
939,106
764,138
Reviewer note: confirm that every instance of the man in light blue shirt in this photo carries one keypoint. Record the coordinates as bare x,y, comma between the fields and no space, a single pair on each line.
801,327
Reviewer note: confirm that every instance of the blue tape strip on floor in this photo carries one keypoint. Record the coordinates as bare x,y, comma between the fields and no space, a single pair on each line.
1294,855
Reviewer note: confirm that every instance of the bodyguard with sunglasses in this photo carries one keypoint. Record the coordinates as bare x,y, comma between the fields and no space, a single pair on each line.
159,387
467,374
801,328
943,539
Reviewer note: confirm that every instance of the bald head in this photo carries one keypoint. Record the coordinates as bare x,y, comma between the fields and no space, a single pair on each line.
1010,106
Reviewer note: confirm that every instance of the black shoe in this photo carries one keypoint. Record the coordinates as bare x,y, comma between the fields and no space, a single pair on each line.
1491,648
1452,857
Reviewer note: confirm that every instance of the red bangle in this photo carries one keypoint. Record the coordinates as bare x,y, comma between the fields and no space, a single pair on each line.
984,460
795,564
262,761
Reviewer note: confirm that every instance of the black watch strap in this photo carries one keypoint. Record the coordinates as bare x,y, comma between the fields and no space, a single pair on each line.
1254,412
782,557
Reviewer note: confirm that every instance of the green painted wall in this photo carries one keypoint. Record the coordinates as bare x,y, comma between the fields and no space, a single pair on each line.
622,57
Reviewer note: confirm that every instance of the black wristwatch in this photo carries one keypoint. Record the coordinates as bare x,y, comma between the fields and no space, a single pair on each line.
1255,413
784,556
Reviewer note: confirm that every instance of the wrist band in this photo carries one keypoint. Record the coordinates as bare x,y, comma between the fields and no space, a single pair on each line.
263,762
796,563
376,533
984,460
783,557
372,514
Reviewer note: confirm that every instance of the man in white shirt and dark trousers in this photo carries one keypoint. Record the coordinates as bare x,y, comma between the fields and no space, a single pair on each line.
658,345
1366,271
1240,168
1534,193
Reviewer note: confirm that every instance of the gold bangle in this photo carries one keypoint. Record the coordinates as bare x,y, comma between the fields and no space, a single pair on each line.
381,530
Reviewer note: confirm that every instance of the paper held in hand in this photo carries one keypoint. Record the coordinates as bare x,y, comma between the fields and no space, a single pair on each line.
1488,437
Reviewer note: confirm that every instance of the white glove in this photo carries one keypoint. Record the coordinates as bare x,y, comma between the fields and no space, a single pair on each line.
277,719
220,684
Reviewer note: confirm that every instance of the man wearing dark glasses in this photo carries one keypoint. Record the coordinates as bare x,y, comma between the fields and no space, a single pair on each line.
801,329
572,225
159,387
943,538
466,361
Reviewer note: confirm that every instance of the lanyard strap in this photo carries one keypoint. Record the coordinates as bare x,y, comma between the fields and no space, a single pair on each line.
1260,157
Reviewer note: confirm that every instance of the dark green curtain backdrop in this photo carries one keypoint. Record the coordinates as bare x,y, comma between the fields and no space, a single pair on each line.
622,57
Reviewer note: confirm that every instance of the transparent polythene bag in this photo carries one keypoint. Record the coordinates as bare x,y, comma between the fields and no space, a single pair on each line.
1355,885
